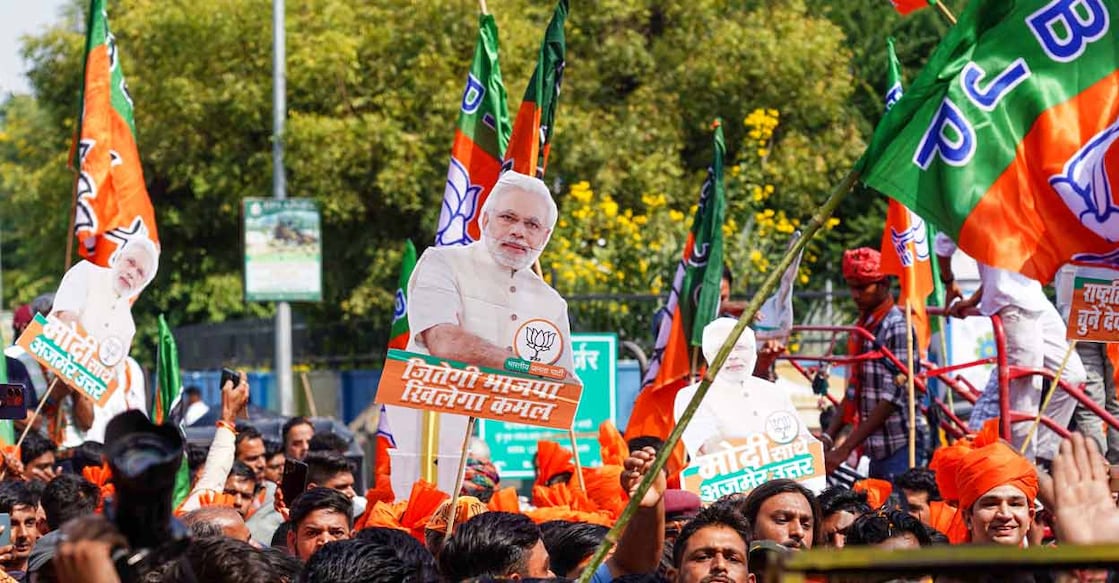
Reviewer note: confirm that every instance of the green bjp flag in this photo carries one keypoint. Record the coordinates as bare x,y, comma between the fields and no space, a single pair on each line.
1008,141
169,388
398,337
481,136
532,130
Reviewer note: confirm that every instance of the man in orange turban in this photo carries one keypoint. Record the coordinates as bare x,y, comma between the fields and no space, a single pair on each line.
997,488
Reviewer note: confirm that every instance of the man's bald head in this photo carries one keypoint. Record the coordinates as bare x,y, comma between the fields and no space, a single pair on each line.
217,521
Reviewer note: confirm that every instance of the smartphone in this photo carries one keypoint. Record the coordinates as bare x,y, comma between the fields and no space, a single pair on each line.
231,376
6,536
13,401
295,480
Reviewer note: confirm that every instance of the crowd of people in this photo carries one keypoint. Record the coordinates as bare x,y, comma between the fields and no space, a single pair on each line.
146,506
66,522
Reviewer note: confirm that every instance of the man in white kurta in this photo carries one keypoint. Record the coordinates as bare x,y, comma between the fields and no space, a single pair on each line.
482,303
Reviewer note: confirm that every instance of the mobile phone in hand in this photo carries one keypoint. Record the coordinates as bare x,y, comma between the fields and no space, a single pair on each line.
230,376
6,536
13,401
294,481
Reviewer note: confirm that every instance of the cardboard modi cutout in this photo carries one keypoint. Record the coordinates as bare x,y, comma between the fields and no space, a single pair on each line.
746,431
86,338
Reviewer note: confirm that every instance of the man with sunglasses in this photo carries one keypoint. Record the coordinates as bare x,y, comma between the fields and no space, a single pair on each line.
876,393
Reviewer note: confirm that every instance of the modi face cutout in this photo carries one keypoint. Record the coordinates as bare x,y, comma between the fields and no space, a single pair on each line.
517,220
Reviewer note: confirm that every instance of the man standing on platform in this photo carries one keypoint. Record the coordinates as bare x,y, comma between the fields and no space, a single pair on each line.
877,400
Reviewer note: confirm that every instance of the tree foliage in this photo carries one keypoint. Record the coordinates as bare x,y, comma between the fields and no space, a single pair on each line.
372,94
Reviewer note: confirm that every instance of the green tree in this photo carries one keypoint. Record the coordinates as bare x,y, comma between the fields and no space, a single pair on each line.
373,91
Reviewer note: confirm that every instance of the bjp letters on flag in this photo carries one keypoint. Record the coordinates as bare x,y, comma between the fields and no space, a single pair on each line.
1009,139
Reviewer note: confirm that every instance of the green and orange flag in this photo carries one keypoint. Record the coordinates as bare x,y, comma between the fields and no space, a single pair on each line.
112,207
398,337
692,304
905,240
1008,141
481,136
532,131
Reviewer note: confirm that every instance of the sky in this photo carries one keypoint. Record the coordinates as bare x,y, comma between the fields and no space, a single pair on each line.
19,18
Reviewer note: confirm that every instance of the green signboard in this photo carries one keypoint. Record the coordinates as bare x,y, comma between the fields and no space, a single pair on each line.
283,250
596,363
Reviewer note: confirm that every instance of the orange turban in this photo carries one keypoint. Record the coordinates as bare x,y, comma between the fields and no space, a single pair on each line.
946,464
467,507
985,469
877,491
862,266
551,460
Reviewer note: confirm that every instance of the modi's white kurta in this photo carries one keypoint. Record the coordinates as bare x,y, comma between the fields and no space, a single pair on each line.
87,290
514,310
731,410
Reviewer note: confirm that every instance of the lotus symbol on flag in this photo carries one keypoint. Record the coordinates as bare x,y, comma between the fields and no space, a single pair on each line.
460,199
1090,181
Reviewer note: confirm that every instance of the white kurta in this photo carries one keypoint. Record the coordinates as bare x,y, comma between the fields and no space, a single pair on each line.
87,290
514,310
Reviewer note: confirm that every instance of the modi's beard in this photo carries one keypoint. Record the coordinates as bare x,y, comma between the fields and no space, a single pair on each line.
507,259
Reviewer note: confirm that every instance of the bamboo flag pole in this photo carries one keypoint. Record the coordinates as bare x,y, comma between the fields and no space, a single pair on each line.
309,396
578,464
911,382
460,476
770,284
1052,391
482,5
944,11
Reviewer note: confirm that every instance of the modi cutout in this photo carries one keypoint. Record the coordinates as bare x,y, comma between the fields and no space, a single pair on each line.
482,303
99,299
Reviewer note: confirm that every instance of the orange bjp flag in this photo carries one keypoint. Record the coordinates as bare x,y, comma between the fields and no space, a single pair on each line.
113,207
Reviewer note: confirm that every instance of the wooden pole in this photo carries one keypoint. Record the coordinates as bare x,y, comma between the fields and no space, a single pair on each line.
911,382
482,5
578,465
429,447
310,397
944,11
834,198
460,476
1052,391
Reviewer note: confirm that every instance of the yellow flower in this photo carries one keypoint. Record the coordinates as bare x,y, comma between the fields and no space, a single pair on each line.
755,256
773,113
832,222
769,189
675,216
803,279
763,152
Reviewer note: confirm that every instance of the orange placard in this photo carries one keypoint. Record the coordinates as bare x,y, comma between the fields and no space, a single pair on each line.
420,381
1094,312
76,358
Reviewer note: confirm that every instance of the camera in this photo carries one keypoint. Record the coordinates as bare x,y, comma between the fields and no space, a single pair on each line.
144,459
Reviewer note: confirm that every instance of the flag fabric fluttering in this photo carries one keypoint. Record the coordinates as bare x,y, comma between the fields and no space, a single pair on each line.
169,391
532,130
112,206
1008,141
905,239
905,7
398,337
481,136
692,304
